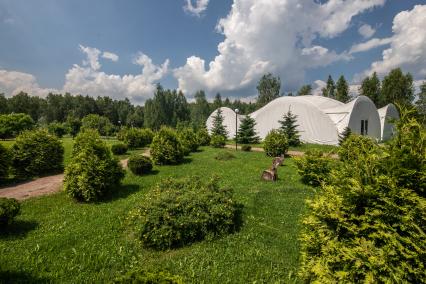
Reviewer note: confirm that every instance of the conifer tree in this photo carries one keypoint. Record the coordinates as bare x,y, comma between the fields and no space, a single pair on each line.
218,127
246,133
328,91
344,135
288,127
342,90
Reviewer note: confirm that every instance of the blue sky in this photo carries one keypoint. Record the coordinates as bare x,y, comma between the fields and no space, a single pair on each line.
44,44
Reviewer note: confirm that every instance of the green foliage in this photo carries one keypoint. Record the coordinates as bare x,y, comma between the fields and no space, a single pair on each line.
73,124
178,212
139,164
305,90
200,110
275,144
421,103
397,88
148,277
367,225
188,140
289,128
371,87
218,141
342,90
246,148
136,137
58,129
5,162
119,149
97,122
344,135
36,153
224,156
203,137
218,127
268,89
9,209
93,171
314,168
166,147
246,133
13,124
329,89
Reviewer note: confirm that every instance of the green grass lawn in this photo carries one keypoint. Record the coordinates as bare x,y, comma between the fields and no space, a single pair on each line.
302,148
57,239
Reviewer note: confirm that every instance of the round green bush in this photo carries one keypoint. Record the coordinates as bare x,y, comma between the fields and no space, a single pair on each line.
5,161
139,164
314,167
218,141
189,140
203,137
9,208
148,277
166,147
119,149
36,153
224,156
246,148
136,137
275,144
58,129
93,171
178,212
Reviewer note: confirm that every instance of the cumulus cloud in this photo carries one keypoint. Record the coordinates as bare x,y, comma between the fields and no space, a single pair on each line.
111,56
197,9
270,36
370,44
13,82
366,31
407,46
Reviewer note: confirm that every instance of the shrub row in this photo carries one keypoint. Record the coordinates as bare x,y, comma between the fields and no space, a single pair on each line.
136,137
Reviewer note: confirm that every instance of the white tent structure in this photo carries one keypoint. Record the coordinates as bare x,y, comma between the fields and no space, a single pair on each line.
319,119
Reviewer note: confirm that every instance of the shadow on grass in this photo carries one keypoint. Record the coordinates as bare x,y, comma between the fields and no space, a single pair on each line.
17,229
20,277
122,191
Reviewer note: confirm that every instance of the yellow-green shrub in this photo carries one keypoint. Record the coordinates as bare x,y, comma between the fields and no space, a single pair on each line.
166,148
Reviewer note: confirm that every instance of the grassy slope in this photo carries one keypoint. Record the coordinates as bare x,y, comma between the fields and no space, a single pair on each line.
58,239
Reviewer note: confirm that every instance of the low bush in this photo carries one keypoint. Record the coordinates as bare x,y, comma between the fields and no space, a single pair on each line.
9,209
119,149
136,137
189,140
224,156
93,171
139,164
218,141
314,167
178,212
246,148
58,129
148,277
36,153
13,124
166,147
5,162
275,144
203,137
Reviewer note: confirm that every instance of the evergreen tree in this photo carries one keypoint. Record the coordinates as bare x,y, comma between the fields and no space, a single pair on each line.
268,88
328,91
217,103
370,87
344,135
305,90
246,133
218,127
289,128
421,103
342,90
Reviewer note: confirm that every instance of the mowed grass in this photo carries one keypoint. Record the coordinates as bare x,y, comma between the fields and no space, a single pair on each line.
57,239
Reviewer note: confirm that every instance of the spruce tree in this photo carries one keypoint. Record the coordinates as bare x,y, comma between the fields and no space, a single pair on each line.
329,90
342,90
246,133
218,127
288,127
344,135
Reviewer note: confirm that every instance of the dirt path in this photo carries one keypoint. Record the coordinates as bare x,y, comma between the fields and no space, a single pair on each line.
41,186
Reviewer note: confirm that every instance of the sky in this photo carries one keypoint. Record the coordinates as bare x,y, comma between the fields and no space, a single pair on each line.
124,48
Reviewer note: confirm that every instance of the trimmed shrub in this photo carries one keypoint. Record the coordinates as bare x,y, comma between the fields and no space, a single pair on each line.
9,209
246,148
5,162
218,141
119,149
58,129
178,212
136,137
13,124
189,140
139,164
148,277
100,123
166,147
314,167
275,144
93,171
36,153
203,137
224,156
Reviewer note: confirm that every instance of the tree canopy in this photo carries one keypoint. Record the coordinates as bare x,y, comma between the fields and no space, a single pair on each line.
268,89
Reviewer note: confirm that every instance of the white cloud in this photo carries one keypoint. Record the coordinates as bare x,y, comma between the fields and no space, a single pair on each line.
270,36
366,31
111,56
92,57
317,88
197,9
370,44
13,82
407,47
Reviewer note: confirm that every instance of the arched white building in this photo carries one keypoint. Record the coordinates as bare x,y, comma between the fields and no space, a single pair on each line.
319,119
